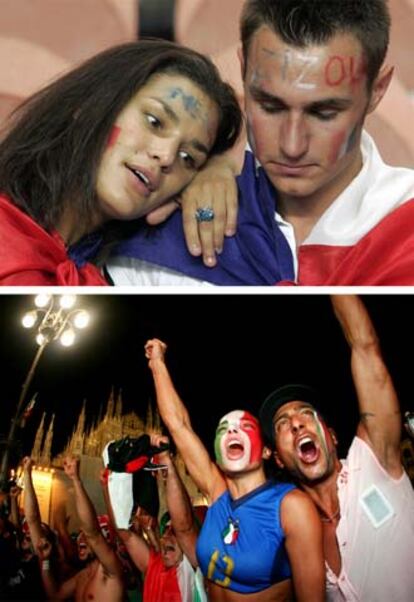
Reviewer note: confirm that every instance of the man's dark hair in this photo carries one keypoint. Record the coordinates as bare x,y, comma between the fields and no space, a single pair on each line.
50,154
314,22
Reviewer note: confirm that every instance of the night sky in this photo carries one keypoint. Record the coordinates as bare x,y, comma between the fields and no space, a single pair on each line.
226,351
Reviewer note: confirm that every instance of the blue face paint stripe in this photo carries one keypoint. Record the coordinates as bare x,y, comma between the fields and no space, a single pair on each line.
191,104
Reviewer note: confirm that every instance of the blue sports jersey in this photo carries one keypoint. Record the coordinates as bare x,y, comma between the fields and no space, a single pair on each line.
242,544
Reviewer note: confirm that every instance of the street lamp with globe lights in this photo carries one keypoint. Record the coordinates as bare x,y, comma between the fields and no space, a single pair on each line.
54,318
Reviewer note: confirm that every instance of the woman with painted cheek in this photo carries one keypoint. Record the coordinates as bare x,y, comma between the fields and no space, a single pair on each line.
238,444
98,149
260,539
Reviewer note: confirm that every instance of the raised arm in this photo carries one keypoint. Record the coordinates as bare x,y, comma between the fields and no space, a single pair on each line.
303,532
178,504
30,504
87,515
103,480
14,495
380,418
175,416
54,591
61,520
137,548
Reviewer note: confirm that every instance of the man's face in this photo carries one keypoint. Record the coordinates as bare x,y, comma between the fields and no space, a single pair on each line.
26,543
84,551
170,550
304,444
305,111
238,444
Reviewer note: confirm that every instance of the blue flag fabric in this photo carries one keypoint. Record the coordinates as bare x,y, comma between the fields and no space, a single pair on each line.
257,255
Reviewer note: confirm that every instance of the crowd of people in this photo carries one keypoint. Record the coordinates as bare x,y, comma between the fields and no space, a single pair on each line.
330,529
148,558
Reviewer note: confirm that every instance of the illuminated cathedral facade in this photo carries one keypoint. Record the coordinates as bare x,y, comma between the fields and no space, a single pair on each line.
90,441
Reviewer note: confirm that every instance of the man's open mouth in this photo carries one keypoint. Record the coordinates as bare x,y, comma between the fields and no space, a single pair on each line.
168,548
307,450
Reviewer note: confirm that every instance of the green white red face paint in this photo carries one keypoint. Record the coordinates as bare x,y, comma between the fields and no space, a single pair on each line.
321,432
238,443
304,443
305,111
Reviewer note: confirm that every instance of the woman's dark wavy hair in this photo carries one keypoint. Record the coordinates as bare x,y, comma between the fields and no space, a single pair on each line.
305,22
52,149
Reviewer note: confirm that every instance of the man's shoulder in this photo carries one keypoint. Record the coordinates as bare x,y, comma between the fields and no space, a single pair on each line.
360,455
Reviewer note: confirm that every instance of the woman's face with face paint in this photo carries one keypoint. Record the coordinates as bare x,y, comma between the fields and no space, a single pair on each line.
305,110
159,141
238,444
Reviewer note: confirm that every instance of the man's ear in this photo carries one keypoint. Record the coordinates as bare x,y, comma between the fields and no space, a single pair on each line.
334,437
380,86
278,460
266,453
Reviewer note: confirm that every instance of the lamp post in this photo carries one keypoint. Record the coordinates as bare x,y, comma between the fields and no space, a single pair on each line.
54,318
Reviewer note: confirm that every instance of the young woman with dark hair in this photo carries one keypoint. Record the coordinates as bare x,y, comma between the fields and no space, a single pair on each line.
109,142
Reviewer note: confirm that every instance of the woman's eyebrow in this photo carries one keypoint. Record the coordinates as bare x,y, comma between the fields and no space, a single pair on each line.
169,111
196,144
199,146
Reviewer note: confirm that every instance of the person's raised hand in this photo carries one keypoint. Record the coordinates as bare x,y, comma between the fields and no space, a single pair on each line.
155,349
71,467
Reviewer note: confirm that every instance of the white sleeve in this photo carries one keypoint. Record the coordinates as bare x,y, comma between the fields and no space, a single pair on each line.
128,271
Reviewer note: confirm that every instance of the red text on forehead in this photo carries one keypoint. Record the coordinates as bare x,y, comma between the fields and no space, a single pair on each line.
339,69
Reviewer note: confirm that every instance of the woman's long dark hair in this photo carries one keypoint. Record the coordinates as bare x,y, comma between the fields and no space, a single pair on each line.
50,153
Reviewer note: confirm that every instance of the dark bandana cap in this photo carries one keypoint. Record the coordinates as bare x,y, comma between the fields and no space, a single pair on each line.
278,398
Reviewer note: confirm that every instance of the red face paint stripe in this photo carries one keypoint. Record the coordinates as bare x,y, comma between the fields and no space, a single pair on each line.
113,136
255,437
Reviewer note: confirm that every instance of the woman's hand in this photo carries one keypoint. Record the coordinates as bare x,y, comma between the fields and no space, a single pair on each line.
214,187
